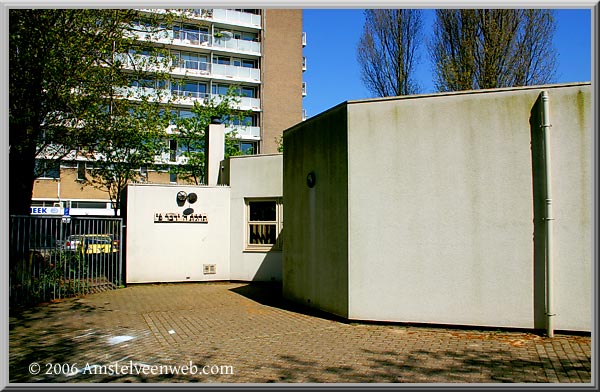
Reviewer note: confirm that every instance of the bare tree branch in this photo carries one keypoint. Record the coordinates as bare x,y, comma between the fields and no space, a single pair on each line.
490,48
387,51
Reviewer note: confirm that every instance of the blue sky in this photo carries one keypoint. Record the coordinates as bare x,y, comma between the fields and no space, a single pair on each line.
333,75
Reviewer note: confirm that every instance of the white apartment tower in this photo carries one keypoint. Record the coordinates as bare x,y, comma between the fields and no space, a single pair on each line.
259,50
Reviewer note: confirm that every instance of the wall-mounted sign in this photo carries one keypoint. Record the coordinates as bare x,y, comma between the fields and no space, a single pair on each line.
176,217
47,211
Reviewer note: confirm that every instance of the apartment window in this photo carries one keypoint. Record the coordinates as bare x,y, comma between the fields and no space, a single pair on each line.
88,204
185,114
239,120
196,34
249,11
47,168
249,63
249,148
80,171
139,52
248,92
148,83
264,224
245,36
244,91
143,22
188,88
43,203
220,89
222,60
172,150
191,61
237,62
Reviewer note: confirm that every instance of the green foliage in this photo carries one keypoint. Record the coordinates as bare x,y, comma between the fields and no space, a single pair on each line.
279,141
65,64
71,73
133,135
61,274
190,133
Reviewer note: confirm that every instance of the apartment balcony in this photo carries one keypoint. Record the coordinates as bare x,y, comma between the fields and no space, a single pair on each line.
220,15
188,98
193,39
141,93
188,38
236,17
245,132
246,103
235,72
226,16
303,39
238,45
190,68
144,62
303,63
182,97
304,89
204,69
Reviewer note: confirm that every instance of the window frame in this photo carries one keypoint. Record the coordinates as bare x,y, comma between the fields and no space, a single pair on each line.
278,222
47,169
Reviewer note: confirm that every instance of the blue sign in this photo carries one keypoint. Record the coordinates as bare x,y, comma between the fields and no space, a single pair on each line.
46,211
66,211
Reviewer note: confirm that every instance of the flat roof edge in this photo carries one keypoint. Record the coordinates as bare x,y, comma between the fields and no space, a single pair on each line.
469,92
274,154
138,184
313,118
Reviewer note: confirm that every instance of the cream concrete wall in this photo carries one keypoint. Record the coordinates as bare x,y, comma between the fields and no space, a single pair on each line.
253,176
573,189
444,202
441,209
174,252
315,260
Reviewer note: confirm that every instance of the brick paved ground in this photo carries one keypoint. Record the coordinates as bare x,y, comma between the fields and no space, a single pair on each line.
265,340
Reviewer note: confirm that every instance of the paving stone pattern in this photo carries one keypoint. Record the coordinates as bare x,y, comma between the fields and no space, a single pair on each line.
260,338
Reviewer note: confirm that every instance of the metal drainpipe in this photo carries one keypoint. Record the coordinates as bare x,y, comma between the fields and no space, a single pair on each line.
549,218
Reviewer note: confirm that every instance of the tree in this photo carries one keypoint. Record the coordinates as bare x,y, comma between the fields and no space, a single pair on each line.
130,121
492,48
190,135
388,51
62,67
133,139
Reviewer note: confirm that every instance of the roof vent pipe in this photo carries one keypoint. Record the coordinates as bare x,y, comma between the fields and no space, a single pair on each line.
549,217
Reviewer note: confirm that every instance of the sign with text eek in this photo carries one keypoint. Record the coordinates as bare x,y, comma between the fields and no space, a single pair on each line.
175,217
46,211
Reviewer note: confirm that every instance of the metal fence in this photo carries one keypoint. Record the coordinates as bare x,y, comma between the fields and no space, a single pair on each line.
57,257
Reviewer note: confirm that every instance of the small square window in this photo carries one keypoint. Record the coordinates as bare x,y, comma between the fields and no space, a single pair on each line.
264,224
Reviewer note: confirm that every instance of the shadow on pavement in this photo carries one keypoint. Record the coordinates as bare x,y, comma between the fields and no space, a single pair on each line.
270,294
